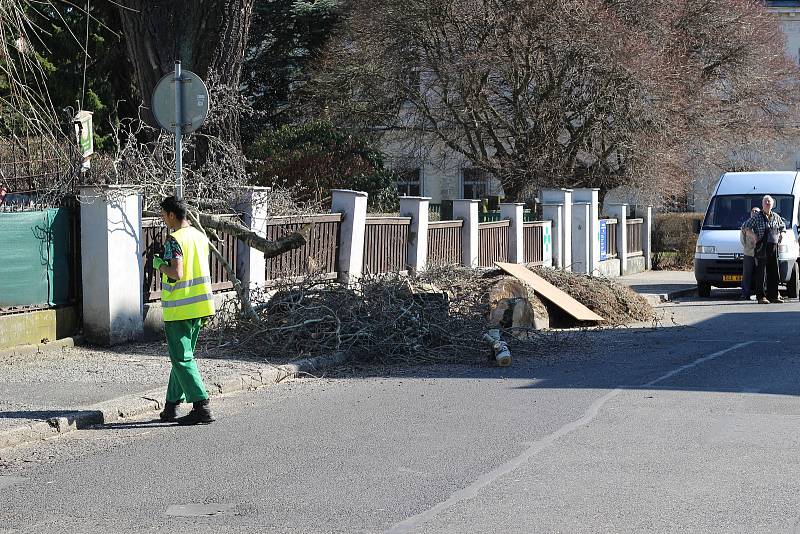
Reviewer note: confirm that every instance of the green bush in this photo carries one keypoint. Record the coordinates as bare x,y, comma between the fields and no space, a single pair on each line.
316,157
674,240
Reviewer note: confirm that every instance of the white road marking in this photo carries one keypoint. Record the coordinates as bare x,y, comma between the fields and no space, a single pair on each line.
198,510
6,482
471,491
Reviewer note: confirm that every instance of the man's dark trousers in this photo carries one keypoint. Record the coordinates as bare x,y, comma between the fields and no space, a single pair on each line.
767,266
748,268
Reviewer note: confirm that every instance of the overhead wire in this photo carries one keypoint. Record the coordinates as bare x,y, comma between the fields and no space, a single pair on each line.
85,55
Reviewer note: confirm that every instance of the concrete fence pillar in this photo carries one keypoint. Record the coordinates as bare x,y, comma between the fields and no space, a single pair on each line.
467,211
112,266
514,212
353,207
547,244
416,208
620,212
581,238
592,197
562,228
250,263
554,213
646,213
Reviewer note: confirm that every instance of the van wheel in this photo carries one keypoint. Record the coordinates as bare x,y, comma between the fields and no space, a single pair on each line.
703,289
793,283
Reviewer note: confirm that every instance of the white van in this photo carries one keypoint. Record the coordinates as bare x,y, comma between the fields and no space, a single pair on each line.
718,256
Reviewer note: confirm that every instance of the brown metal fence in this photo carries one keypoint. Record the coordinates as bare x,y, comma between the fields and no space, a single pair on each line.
612,250
386,244
533,241
635,237
492,242
154,233
319,256
444,243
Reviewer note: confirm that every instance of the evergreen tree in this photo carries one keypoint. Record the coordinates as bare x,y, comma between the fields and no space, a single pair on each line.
285,36
62,53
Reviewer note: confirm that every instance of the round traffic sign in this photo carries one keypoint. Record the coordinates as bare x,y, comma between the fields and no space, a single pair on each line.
194,102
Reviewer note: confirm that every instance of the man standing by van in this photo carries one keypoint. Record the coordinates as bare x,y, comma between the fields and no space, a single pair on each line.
767,227
748,240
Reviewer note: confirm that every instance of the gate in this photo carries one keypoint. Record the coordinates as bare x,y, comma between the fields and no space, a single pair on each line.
39,222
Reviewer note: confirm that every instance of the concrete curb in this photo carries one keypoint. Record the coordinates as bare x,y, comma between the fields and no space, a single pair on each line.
43,348
114,410
656,299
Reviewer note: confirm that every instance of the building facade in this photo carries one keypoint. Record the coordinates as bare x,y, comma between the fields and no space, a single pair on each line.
441,174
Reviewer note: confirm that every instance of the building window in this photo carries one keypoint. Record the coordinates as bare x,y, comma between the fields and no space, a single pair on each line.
409,183
476,182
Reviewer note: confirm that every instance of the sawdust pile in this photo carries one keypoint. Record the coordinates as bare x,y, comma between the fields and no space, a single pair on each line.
616,303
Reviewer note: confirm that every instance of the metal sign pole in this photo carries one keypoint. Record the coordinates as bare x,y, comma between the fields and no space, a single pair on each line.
178,139
180,105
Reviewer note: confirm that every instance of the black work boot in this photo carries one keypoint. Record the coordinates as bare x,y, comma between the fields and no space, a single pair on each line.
170,412
200,414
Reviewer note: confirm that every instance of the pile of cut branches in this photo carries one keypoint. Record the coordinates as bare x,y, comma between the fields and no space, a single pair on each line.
435,316
386,319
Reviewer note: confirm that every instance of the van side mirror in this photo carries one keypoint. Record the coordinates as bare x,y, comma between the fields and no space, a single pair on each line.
696,226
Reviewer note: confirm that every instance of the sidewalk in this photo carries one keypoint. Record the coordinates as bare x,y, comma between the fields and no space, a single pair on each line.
661,286
62,389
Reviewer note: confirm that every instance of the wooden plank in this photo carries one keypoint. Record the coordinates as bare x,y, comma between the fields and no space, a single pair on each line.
445,224
303,219
371,221
494,224
550,292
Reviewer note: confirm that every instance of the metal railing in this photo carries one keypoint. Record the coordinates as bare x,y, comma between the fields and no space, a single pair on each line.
612,250
492,242
635,237
444,243
533,242
386,244
318,257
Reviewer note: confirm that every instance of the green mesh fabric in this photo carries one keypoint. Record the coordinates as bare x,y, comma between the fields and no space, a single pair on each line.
35,258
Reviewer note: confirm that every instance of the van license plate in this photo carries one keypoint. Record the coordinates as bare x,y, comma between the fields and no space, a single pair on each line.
731,277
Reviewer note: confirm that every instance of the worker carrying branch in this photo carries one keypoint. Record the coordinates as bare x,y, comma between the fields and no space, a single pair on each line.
188,303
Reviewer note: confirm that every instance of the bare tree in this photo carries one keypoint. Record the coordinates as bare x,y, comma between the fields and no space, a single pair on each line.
565,92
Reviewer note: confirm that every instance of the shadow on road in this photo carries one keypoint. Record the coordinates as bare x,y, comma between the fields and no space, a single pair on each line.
605,359
765,362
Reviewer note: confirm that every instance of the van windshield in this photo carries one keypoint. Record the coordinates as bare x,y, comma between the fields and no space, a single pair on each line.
729,212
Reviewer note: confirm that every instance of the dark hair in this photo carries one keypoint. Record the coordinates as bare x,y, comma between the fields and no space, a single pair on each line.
173,205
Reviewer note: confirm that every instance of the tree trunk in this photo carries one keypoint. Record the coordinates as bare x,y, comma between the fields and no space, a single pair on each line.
209,223
209,37
253,240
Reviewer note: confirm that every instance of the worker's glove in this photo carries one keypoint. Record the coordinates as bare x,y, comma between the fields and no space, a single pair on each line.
158,262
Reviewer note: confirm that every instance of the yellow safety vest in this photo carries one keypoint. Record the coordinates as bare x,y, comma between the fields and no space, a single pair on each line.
190,297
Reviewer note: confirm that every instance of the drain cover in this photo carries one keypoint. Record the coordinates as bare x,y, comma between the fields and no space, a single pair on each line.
197,510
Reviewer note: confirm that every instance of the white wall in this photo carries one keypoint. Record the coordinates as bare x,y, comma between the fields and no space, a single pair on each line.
441,168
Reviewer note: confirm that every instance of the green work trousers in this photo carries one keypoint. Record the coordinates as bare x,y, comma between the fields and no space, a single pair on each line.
185,384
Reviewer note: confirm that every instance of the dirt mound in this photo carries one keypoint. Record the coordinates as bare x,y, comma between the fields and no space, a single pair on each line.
615,302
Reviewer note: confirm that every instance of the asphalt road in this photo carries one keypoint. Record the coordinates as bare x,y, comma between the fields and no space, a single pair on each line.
691,427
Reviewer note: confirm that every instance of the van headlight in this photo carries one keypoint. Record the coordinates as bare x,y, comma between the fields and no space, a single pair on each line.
704,249
783,249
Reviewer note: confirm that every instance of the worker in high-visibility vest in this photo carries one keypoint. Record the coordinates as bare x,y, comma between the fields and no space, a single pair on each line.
188,303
